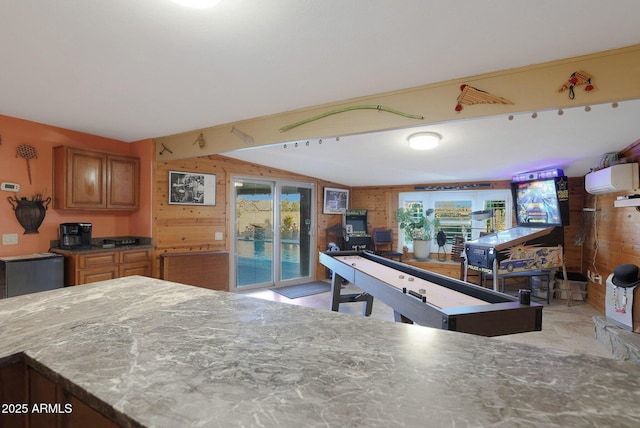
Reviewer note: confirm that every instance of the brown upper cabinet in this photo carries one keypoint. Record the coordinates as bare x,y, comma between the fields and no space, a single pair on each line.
92,180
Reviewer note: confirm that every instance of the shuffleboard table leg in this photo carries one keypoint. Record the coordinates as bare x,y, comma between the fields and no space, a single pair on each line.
398,317
368,305
337,298
336,285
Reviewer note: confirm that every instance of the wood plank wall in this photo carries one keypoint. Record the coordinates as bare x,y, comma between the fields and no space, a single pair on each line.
612,235
180,228
382,203
573,238
188,228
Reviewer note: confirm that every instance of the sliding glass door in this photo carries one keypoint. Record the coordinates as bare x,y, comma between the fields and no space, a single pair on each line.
295,231
254,216
273,233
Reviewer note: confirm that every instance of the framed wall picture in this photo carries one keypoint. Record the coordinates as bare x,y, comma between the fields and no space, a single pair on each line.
336,201
192,188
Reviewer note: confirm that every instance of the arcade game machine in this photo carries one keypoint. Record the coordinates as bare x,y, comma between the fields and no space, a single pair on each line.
356,237
541,200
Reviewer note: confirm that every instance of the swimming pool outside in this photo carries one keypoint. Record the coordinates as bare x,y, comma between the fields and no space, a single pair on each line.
254,261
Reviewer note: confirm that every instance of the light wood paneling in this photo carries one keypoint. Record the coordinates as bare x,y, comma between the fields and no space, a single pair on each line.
186,228
382,202
572,232
179,228
612,235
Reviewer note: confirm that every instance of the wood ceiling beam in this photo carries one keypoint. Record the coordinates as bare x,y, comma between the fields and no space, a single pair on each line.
531,88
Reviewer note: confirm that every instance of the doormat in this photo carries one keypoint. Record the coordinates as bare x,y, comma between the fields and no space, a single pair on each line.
302,290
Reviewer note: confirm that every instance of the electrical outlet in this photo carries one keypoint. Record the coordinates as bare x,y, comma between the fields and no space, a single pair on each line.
10,239
594,277
218,236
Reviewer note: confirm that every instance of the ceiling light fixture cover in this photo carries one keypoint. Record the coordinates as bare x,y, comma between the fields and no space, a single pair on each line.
424,140
196,4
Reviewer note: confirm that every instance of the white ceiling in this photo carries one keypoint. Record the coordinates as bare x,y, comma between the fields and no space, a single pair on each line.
494,148
139,69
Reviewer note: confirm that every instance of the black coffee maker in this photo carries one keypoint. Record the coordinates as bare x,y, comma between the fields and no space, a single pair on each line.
75,236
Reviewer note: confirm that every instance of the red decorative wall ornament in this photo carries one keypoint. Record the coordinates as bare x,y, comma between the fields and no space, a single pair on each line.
470,95
576,79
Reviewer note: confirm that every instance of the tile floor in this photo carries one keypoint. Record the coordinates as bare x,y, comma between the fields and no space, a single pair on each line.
568,328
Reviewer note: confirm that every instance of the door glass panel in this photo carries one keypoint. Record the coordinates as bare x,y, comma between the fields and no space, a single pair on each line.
295,232
498,221
254,233
455,217
416,208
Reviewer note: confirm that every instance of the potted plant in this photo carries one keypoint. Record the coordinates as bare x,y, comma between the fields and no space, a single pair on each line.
419,229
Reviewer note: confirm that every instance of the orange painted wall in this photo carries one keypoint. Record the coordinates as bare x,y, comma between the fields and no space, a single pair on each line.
14,132
140,221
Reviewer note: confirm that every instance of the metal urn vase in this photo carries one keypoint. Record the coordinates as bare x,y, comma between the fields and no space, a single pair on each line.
30,213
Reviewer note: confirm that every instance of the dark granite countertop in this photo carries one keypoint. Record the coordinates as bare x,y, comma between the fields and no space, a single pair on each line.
169,355
97,249
98,245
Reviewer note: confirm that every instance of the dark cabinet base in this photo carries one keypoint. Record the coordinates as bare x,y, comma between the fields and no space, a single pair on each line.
30,398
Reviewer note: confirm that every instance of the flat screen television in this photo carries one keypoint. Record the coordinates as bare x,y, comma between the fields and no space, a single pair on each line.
537,203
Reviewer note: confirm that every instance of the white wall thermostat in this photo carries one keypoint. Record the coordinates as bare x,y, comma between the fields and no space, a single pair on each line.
10,187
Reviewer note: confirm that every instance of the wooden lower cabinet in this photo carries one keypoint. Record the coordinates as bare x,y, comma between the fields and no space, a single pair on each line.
38,402
87,276
142,269
207,269
446,268
135,262
13,390
103,265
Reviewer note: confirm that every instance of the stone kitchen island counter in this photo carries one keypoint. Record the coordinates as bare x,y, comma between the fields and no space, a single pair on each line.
146,352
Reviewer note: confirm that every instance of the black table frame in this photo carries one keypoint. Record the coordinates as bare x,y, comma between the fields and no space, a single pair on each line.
505,315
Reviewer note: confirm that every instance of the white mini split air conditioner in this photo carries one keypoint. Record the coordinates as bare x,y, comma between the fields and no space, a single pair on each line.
616,178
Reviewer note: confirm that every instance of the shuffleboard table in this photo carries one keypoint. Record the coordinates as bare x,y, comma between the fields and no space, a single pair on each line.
427,298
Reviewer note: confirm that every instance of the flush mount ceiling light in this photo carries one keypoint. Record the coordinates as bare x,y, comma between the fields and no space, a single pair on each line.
424,140
196,4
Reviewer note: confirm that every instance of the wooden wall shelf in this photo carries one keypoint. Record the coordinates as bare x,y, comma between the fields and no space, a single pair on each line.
635,202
